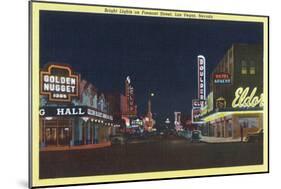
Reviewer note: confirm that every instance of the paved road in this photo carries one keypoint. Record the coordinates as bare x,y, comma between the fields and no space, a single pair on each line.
155,154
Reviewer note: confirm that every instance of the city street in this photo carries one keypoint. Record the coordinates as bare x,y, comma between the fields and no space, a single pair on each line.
158,153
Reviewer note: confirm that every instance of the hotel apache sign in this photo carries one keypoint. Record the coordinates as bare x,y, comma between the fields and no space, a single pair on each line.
222,78
59,83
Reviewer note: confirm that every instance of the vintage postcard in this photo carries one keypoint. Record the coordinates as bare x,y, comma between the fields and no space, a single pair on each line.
124,94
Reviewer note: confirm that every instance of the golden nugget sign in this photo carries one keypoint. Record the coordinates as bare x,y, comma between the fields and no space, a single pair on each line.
246,99
59,83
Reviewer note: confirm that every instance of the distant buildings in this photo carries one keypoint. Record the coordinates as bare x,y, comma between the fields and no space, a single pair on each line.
178,122
132,122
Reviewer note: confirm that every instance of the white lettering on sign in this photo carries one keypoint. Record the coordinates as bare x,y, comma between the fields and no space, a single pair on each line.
70,111
201,77
41,112
99,114
59,83
245,99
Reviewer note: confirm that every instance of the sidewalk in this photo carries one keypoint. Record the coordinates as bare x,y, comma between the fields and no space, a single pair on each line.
208,139
79,147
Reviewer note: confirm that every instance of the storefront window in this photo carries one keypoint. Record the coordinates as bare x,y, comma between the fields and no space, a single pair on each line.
51,136
229,128
243,67
252,68
249,122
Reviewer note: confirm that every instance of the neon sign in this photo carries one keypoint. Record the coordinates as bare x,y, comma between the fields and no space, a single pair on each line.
129,90
196,103
222,78
201,77
59,83
245,99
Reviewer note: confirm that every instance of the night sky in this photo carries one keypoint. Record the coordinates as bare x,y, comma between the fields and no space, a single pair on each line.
159,54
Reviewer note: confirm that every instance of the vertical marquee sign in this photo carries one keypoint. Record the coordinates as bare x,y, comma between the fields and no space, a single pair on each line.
59,83
130,96
201,77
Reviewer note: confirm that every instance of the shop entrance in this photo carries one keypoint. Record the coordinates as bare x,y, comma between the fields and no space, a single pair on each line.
56,132
222,131
51,136
64,136
59,136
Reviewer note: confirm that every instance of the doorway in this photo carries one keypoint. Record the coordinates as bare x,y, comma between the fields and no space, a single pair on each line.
64,136
51,136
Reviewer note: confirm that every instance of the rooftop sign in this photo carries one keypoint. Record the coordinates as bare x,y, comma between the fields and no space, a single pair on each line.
59,83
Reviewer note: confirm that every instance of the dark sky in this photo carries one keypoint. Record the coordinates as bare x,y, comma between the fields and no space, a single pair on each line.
159,54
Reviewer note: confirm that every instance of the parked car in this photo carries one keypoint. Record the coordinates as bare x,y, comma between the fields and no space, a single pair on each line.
118,139
255,137
196,136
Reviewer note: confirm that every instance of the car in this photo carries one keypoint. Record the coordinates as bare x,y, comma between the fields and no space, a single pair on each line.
255,137
118,139
195,136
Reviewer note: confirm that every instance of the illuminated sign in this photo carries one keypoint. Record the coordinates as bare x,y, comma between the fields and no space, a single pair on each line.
59,83
96,113
201,77
220,102
177,117
73,111
130,97
136,122
210,102
196,103
195,116
222,78
244,99
204,110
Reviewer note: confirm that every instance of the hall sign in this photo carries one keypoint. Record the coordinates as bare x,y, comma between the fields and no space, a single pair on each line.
59,83
221,78
244,98
73,111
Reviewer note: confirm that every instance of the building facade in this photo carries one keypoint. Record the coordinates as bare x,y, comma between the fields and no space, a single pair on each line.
84,120
234,105
128,108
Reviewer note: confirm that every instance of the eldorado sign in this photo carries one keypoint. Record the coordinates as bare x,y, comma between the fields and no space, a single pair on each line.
245,99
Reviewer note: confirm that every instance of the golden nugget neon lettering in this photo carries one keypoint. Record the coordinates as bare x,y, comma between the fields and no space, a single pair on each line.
243,100
59,87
